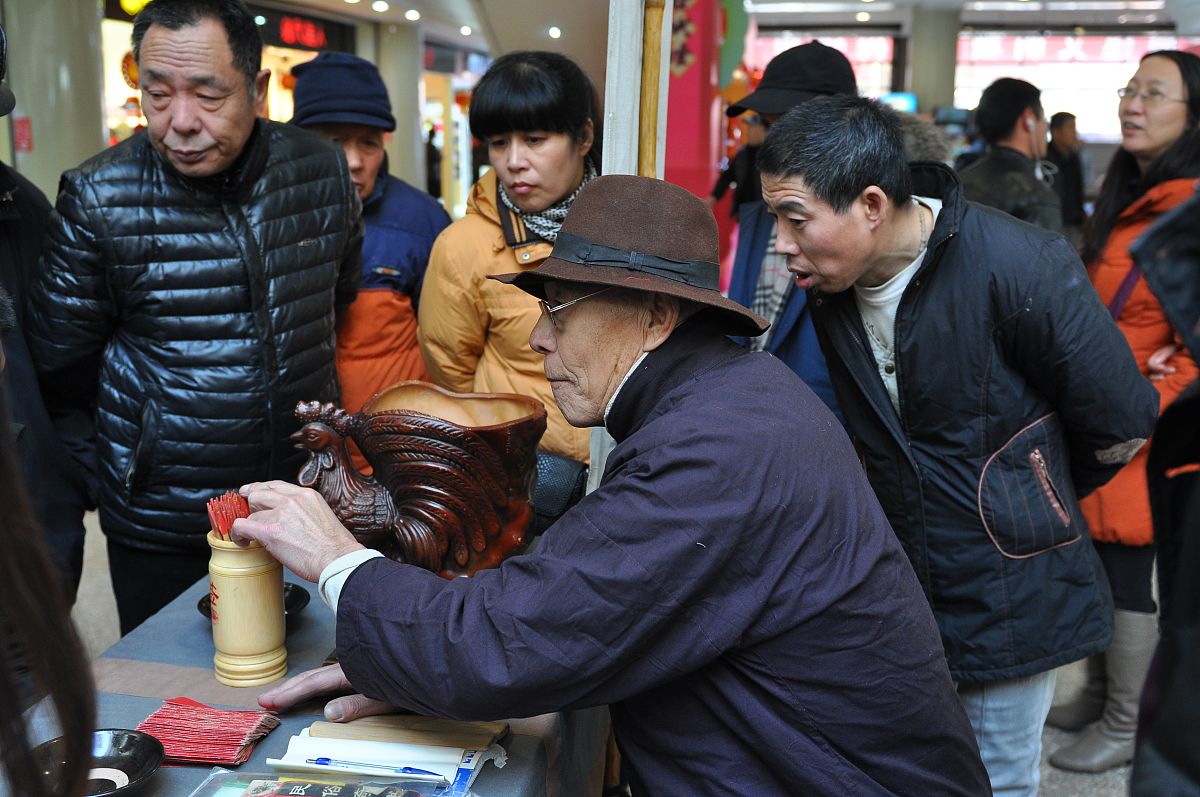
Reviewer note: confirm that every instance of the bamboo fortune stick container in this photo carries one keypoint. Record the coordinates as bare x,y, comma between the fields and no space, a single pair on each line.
246,585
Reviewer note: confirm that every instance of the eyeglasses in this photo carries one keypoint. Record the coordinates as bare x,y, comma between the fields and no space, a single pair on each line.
1150,98
550,311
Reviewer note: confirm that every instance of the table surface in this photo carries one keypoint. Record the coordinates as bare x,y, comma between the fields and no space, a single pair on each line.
171,655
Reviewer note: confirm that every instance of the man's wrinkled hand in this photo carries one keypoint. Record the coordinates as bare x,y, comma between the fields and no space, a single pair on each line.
320,682
295,525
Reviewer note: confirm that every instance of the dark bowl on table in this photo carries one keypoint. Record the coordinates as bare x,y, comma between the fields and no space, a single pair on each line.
295,598
123,761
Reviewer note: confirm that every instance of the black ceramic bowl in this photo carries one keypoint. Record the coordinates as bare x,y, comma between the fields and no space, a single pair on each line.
295,598
122,761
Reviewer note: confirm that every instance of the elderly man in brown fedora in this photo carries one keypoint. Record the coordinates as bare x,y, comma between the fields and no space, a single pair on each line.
766,641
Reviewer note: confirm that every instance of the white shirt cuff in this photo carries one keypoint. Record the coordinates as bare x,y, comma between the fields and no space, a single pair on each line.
334,576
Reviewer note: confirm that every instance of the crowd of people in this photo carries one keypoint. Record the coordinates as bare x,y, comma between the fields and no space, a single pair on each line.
861,508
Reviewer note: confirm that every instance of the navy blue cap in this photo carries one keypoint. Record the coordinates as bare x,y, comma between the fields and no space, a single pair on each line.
337,88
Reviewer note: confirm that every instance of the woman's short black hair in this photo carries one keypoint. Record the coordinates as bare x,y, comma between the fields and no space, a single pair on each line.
536,90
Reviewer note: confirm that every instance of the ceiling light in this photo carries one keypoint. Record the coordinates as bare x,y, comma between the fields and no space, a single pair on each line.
412,15
465,30
862,16
380,6
351,2
555,32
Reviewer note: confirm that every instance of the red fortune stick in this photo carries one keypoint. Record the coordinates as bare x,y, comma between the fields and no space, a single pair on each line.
225,509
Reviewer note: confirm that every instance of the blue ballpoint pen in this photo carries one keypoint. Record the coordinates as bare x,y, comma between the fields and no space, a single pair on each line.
421,774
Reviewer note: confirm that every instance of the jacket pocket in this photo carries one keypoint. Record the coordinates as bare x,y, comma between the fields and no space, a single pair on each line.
1025,498
138,468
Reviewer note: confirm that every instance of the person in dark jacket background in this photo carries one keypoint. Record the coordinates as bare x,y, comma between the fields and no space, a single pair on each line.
1167,761
769,641
199,263
1065,152
741,172
987,388
759,279
343,98
55,486
1009,177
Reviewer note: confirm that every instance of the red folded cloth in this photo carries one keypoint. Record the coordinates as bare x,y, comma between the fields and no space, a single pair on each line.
192,732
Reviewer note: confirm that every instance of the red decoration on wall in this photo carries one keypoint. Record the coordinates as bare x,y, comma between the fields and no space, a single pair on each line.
682,29
129,70
694,118
22,128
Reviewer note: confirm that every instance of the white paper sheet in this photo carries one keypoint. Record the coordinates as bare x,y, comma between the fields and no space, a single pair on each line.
453,765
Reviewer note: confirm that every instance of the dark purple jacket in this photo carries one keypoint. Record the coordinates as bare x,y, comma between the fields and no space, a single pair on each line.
770,640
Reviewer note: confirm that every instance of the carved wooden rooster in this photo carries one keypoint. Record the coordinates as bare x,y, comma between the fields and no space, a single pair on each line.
451,495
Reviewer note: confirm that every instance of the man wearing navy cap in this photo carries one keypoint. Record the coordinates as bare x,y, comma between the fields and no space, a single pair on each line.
343,98
760,278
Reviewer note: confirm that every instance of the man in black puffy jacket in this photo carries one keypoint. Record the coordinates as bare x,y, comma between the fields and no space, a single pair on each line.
189,292
987,388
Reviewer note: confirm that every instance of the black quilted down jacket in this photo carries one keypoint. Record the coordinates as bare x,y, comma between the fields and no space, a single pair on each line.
194,314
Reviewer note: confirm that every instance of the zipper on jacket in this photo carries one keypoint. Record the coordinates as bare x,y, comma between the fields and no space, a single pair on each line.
135,458
1038,461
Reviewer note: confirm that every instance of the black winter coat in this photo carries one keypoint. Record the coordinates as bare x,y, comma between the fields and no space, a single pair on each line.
1017,395
212,304
731,590
1168,759
1004,179
56,488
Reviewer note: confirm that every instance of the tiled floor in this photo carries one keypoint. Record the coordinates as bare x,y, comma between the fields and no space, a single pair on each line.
95,616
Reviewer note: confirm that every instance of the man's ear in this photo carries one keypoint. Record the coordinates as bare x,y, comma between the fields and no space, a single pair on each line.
874,204
261,80
663,316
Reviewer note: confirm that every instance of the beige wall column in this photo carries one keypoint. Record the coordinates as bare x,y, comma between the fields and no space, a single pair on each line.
55,71
932,55
398,54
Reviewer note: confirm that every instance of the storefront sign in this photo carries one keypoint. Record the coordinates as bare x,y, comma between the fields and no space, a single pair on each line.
448,59
1004,49
301,32
276,27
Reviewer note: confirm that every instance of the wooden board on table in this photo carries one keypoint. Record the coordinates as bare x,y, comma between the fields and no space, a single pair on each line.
412,729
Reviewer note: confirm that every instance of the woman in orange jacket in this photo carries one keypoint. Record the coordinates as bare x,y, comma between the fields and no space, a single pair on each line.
537,114
1155,169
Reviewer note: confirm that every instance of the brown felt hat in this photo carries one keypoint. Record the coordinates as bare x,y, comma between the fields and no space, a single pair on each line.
644,235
